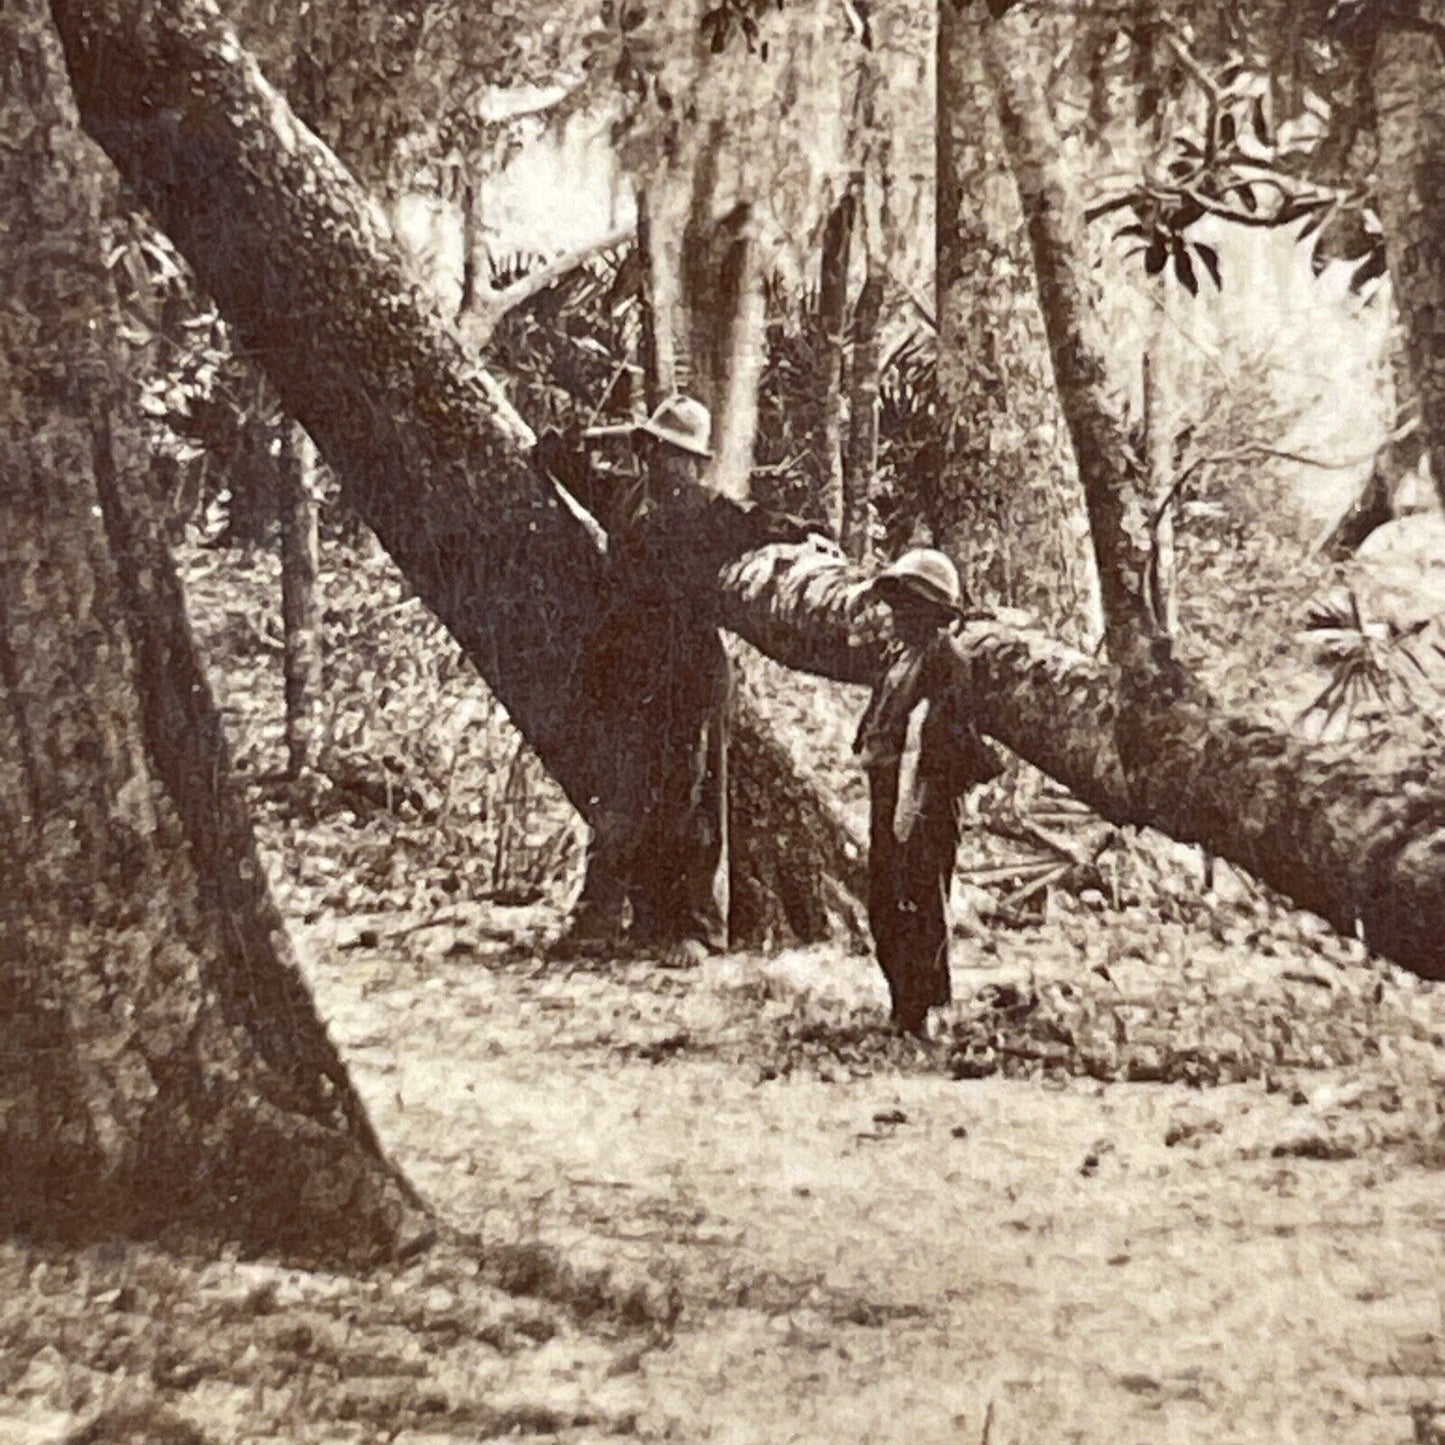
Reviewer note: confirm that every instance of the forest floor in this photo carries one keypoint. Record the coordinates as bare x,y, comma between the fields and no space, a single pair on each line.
1171,1168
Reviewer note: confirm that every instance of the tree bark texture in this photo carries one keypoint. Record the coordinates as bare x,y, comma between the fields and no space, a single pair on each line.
1409,104
999,505
300,604
161,1062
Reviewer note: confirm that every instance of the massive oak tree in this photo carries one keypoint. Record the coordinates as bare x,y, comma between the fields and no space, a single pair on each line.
303,265
161,1063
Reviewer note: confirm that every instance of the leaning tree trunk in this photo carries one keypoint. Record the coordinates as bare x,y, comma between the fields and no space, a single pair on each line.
1409,103
161,1063
1115,492
431,455
997,504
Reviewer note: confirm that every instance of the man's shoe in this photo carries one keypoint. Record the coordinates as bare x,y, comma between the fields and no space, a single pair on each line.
685,953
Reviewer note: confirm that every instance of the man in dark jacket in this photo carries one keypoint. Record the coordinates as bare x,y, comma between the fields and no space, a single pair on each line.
922,754
658,656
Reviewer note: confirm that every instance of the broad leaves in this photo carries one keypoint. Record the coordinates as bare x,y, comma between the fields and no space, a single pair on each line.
1236,163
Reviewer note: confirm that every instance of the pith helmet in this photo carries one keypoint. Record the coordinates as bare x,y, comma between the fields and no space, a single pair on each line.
921,573
680,422
683,423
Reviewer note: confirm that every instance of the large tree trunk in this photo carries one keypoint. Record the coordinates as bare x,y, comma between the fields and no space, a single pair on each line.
161,1063
1409,103
999,504
291,248
431,455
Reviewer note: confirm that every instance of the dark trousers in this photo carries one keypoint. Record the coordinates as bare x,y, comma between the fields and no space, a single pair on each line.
659,837
908,890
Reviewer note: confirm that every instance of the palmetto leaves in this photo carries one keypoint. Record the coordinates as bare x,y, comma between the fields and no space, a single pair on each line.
1374,667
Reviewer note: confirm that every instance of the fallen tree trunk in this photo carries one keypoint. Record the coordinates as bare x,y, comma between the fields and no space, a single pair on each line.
432,456
1359,843
293,250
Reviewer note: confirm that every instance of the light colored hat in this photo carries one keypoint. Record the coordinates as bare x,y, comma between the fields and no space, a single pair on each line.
683,423
679,422
922,573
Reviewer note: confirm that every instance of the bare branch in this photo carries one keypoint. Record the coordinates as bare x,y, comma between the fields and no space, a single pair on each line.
490,307
1247,452
914,300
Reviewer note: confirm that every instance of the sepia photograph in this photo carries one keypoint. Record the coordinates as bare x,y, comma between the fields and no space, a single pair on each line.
722,721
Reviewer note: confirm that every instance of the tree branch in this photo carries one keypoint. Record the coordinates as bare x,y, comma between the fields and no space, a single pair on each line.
490,307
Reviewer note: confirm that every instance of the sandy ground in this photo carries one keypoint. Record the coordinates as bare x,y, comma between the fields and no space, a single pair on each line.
727,1205
866,1249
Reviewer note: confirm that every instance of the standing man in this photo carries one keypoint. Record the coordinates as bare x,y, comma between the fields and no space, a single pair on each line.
922,754
664,847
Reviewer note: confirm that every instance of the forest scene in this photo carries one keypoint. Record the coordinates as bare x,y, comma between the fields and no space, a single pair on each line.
719,721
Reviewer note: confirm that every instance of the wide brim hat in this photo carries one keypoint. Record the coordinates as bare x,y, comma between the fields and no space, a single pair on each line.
921,574
679,422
